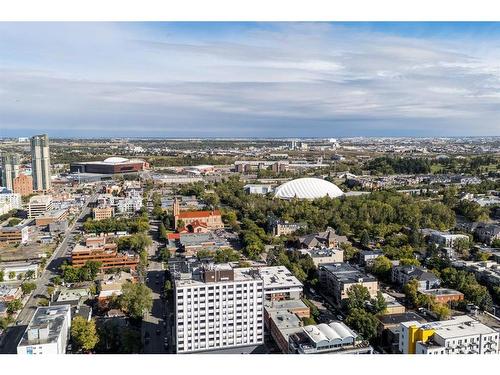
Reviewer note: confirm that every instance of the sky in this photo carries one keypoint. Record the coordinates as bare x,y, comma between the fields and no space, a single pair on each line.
249,79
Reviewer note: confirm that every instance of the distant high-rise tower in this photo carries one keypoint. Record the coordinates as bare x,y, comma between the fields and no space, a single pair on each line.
40,162
10,170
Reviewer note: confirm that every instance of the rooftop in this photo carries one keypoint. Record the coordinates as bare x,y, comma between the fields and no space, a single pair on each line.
45,326
347,273
196,214
278,277
456,327
391,319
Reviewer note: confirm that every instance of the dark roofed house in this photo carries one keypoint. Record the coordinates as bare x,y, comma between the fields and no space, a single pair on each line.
404,274
328,238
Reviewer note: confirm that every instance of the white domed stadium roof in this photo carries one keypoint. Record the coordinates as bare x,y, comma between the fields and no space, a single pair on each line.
115,160
308,188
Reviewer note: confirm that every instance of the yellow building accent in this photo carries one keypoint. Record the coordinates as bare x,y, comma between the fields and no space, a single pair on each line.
418,334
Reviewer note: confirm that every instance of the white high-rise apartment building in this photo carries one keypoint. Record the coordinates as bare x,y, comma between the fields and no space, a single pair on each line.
40,162
217,307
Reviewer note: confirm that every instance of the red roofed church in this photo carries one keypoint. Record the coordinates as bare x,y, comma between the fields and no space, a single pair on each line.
197,221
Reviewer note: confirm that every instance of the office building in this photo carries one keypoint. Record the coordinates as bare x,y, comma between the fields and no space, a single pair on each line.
48,331
10,170
39,205
337,278
23,184
101,213
50,217
15,234
99,249
460,335
216,307
40,162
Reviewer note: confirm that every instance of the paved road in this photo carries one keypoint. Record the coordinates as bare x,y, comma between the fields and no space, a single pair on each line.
12,335
153,323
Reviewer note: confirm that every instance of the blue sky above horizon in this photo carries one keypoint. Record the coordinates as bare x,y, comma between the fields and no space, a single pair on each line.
186,79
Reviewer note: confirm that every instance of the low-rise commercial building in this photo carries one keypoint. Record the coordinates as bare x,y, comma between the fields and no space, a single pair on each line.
444,295
282,321
19,270
333,338
50,217
48,331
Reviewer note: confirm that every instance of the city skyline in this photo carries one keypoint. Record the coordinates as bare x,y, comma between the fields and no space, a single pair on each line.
217,80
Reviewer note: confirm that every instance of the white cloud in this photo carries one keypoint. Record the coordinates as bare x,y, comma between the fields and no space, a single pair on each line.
106,74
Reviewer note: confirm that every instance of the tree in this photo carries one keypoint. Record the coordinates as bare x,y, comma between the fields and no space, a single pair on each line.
162,232
83,333
136,299
308,321
50,291
57,280
164,254
14,306
365,238
357,296
411,291
12,275
30,274
379,304
350,251
168,287
441,310
381,266
409,262
1,275
362,322
462,246
27,287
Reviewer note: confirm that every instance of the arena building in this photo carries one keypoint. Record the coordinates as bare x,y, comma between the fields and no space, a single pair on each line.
308,188
113,165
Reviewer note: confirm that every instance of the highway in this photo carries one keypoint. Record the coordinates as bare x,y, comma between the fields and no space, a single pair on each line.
12,335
